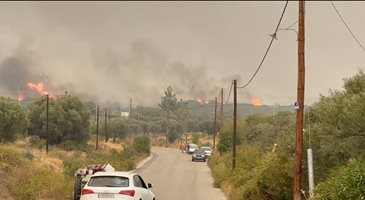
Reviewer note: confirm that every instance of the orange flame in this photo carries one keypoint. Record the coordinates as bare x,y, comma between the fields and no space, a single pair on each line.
21,97
39,87
256,102
201,101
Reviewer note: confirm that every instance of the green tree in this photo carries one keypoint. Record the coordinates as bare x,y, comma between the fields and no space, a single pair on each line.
12,119
68,120
344,183
169,105
337,126
118,129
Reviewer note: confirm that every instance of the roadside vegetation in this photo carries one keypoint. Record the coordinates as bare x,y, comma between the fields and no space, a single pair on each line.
29,174
335,129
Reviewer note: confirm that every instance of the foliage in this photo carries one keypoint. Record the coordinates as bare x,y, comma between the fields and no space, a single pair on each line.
36,142
68,119
207,126
225,141
12,119
9,159
142,144
196,138
118,128
337,126
344,183
41,183
169,100
264,170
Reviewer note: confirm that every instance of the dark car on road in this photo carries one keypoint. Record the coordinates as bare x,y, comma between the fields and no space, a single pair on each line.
199,155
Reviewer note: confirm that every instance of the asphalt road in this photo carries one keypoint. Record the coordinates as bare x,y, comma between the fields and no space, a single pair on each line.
175,177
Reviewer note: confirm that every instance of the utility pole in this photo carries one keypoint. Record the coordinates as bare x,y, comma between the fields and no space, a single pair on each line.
234,138
186,123
215,123
130,106
300,101
222,114
97,127
106,126
47,116
167,123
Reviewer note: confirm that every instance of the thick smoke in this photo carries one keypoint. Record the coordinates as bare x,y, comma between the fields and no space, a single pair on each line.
143,73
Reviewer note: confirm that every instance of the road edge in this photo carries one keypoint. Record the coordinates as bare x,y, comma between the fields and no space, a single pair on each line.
143,162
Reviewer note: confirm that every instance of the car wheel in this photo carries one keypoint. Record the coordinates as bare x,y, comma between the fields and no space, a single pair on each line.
77,188
192,160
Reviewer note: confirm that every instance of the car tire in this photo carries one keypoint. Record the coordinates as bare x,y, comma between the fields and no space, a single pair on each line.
77,188
192,160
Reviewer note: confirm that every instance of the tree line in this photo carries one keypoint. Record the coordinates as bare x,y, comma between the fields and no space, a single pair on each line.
73,120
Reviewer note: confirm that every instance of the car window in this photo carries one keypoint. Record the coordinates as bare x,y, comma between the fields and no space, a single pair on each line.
138,182
108,181
206,148
200,151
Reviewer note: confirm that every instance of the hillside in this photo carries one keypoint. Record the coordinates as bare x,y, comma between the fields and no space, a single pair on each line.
243,110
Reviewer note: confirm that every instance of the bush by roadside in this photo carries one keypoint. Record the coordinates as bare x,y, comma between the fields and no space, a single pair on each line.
344,183
31,177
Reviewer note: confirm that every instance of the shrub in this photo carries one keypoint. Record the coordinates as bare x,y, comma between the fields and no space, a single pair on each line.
36,142
347,182
142,144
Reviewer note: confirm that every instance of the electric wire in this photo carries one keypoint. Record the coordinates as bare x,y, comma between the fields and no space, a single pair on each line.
348,28
269,47
229,94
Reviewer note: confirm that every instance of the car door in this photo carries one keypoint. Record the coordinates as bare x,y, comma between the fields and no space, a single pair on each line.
149,194
141,187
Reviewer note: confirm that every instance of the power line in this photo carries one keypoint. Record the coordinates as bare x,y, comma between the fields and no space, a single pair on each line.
268,49
229,94
292,25
348,28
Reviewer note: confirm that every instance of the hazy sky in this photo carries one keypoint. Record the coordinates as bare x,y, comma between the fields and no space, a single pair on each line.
118,50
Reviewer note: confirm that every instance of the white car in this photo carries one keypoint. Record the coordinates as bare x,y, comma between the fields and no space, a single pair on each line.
191,148
208,150
117,186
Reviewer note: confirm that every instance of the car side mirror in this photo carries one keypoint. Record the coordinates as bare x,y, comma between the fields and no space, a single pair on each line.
149,185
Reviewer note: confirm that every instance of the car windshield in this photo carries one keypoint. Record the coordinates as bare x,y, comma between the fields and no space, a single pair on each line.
206,148
108,181
199,151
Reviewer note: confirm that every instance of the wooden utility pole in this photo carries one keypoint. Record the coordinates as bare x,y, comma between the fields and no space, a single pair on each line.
234,138
130,106
215,123
106,126
47,116
300,101
186,123
167,123
222,114
97,127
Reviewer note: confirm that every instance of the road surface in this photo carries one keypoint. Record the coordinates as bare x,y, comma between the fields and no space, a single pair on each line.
175,177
